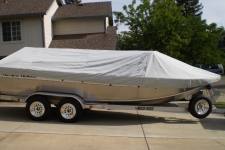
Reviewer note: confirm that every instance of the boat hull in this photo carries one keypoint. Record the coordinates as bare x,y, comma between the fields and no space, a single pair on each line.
24,87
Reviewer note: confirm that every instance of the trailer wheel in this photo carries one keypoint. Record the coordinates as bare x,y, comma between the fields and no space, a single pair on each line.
38,108
200,107
69,110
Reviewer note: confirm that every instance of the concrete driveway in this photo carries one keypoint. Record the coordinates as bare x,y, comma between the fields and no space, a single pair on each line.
100,130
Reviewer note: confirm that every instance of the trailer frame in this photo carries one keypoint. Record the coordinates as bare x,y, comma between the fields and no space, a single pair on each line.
56,98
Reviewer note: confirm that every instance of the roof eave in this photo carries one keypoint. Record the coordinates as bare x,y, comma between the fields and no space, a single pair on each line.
84,17
23,15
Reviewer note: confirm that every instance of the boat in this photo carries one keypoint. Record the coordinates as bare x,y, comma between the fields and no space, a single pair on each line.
101,76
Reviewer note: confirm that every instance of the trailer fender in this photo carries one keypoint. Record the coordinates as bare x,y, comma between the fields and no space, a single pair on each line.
75,97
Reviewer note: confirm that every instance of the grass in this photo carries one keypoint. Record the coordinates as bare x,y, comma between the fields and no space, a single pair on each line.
219,104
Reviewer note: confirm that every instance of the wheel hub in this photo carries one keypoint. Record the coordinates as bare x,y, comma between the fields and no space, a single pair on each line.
68,111
202,107
37,109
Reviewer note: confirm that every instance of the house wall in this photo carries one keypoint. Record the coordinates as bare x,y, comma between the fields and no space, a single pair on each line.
48,23
79,26
31,35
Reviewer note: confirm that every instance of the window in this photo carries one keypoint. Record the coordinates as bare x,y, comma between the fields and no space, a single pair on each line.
11,31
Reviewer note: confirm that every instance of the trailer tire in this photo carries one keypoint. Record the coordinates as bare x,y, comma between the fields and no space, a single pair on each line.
69,110
200,106
38,108
189,105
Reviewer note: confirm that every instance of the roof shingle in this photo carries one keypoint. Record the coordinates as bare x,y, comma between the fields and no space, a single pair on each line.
103,41
94,9
24,7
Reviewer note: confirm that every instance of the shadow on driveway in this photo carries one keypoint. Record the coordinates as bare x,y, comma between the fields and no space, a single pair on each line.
92,118
213,123
109,118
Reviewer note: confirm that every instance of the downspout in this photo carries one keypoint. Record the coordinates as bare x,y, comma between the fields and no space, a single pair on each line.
43,30
105,25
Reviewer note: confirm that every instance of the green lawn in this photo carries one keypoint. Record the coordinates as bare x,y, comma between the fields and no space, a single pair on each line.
219,104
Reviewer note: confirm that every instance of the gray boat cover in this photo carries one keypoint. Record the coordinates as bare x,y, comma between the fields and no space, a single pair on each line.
125,68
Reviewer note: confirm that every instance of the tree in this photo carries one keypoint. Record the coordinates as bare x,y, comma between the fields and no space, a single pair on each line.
190,7
202,48
221,44
158,25
161,26
73,1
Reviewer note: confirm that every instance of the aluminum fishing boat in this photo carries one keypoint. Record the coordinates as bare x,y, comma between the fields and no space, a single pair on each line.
98,76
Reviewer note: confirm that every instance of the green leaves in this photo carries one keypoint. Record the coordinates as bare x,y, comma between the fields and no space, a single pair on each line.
160,25
202,49
190,7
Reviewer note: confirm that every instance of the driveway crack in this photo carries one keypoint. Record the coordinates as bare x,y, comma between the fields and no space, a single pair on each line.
220,143
143,130
12,131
